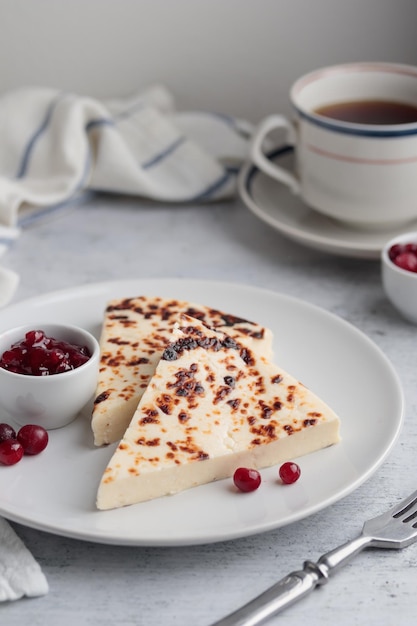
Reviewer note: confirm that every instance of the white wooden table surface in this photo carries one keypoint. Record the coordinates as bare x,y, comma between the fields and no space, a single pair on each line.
111,238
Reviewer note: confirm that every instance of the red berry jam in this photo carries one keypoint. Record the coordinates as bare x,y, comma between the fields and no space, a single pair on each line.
289,472
39,355
247,479
404,255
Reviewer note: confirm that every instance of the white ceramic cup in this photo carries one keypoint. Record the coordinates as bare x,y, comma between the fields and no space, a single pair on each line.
362,174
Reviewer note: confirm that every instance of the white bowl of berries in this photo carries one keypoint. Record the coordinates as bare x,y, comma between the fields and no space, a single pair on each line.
48,373
399,274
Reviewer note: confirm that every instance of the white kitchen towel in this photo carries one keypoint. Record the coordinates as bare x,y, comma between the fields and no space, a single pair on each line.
20,573
55,146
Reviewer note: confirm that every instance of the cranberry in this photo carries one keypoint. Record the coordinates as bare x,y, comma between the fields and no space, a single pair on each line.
33,438
247,479
11,451
404,256
407,261
7,432
289,472
39,355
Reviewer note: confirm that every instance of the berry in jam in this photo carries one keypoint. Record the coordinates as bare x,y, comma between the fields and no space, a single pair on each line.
404,255
39,355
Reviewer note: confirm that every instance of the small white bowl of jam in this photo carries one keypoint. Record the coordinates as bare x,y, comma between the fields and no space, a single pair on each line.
399,274
48,373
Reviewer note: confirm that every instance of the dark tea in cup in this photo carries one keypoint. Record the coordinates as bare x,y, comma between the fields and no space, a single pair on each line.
370,112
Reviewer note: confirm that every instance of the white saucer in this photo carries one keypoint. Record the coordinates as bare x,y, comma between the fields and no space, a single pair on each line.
275,204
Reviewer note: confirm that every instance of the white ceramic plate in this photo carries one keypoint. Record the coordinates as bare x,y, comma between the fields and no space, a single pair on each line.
56,490
278,207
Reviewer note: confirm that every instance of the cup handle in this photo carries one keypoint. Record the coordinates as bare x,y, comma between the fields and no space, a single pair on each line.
257,155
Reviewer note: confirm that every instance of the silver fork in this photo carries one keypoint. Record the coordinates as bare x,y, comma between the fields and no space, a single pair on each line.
397,528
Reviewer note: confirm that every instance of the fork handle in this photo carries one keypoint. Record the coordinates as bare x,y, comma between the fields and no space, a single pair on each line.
293,587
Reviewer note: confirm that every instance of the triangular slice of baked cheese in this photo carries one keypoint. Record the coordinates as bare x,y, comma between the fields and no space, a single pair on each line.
212,405
134,335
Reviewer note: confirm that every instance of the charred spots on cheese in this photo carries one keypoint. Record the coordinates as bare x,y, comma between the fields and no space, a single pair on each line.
309,422
148,442
256,334
123,305
165,403
229,343
221,393
170,354
118,341
118,317
186,385
265,433
277,404
251,420
289,429
174,350
193,450
149,419
183,417
266,410
314,414
194,339
232,320
113,360
172,446
290,395
247,356
192,312
234,403
104,395
140,361
229,381
275,380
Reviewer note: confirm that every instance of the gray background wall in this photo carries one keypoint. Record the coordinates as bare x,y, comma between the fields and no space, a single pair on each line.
233,56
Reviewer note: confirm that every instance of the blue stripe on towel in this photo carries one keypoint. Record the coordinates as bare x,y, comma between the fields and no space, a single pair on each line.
131,110
72,199
162,155
213,188
234,123
24,163
108,121
102,121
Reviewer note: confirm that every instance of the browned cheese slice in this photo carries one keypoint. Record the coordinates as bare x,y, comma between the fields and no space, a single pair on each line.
135,333
213,404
